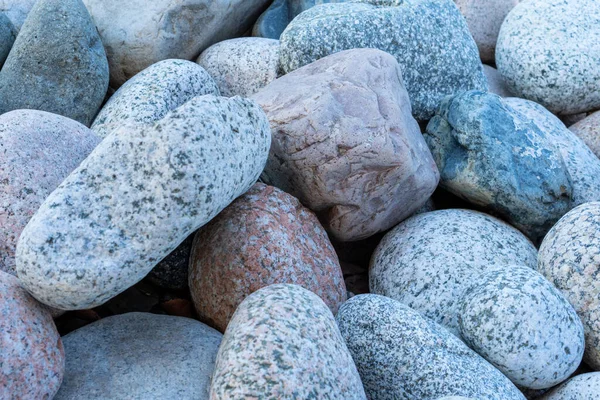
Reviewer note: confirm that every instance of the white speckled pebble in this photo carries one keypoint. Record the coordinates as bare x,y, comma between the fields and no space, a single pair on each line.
580,387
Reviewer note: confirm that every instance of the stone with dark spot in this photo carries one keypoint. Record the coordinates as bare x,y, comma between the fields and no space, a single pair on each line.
172,271
580,387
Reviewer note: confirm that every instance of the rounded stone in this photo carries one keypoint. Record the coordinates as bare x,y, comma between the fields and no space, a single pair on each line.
8,33
568,258
172,272
580,387
429,260
403,355
39,150
515,319
33,358
16,10
264,237
283,343
495,82
548,51
139,356
242,66
152,93
588,130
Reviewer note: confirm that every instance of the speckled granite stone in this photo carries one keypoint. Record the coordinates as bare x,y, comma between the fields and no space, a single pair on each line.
548,51
568,258
242,66
283,343
16,10
137,197
33,359
514,318
139,356
8,34
588,130
345,143
403,355
38,150
57,63
429,260
138,33
499,160
264,237
496,84
151,94
580,387
429,39
172,271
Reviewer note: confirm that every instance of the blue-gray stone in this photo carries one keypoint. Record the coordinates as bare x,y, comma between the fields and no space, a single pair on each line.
8,33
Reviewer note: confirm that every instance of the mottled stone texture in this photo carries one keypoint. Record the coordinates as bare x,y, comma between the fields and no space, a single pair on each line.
33,359
283,343
172,271
8,34
16,10
569,258
429,260
514,318
496,83
38,150
57,63
588,130
140,356
345,143
242,66
264,237
402,355
580,387
137,197
139,33
496,158
151,94
548,51
429,38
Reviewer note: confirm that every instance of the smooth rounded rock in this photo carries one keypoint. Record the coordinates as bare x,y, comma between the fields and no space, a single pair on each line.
548,51
137,197
403,355
495,82
172,272
580,387
345,143
515,319
264,237
140,356
283,343
39,150
8,33
568,258
588,130
151,94
16,10
429,260
242,66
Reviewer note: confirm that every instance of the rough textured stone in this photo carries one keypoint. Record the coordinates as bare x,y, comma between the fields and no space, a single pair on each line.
402,355
137,197
580,387
548,51
57,63
140,356
172,271
33,358
495,82
588,130
568,258
242,66
429,260
429,39
8,34
151,94
345,143
264,237
514,318
139,33
496,158
283,343
38,151
16,10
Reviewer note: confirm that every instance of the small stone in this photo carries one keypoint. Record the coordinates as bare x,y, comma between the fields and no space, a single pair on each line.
172,272
137,197
495,82
402,355
242,66
588,130
548,51
580,387
33,358
57,63
568,259
428,261
16,10
8,33
283,343
515,319
151,94
139,356
345,143
264,237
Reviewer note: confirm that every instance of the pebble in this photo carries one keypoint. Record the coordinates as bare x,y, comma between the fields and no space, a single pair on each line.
580,387
402,355
588,130
345,143
8,34
137,197
16,10
139,356
172,272
496,82
283,343
264,237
